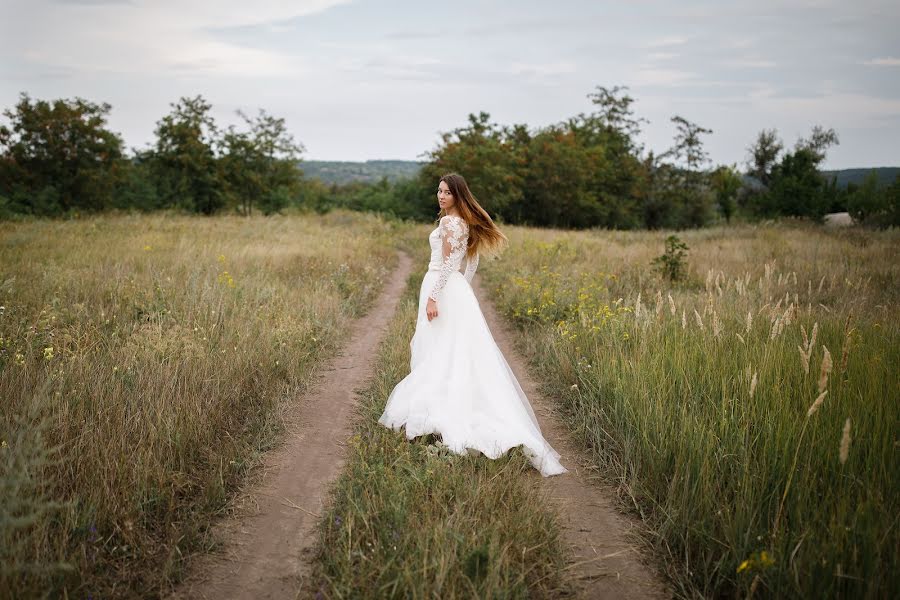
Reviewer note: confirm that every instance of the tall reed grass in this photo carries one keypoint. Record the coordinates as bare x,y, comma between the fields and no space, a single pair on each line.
736,451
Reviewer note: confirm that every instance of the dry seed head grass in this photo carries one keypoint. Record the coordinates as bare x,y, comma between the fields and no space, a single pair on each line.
816,404
825,370
844,451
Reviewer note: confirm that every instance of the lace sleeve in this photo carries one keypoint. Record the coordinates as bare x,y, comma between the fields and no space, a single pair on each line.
471,266
454,235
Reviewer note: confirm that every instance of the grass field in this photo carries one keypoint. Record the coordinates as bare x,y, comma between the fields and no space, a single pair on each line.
144,363
749,413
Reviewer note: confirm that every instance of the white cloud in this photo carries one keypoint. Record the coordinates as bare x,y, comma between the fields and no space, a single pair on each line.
666,41
660,77
155,37
889,61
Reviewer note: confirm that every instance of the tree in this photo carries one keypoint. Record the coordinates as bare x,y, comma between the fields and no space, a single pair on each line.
794,185
872,204
559,180
726,183
609,135
58,156
681,195
260,166
184,159
488,156
763,155
818,142
688,145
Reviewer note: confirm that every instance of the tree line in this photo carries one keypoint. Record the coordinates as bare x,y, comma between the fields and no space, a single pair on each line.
60,157
587,171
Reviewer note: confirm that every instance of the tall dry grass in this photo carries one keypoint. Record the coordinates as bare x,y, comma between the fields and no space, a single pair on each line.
145,362
736,450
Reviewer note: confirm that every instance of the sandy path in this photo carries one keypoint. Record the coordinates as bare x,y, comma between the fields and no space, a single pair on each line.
607,562
264,546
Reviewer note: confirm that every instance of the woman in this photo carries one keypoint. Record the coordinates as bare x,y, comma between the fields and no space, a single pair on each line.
459,384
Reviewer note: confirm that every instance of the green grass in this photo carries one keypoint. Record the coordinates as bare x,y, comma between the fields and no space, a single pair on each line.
144,365
667,408
409,519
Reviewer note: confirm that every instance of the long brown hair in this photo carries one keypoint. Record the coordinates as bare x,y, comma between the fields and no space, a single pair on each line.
484,236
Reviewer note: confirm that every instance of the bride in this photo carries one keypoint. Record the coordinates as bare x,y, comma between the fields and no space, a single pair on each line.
460,384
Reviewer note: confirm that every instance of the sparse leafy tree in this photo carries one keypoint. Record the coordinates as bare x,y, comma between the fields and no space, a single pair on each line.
260,165
726,183
688,145
818,142
184,158
763,155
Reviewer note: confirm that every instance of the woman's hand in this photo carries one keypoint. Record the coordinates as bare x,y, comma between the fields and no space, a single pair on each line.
431,309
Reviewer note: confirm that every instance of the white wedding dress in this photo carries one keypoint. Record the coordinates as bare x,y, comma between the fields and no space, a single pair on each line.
460,384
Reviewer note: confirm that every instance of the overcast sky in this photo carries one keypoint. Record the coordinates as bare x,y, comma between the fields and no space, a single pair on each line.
359,79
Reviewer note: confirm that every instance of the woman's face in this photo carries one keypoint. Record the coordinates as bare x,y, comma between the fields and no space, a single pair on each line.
445,198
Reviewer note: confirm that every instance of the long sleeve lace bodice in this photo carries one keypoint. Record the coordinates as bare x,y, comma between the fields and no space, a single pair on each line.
452,232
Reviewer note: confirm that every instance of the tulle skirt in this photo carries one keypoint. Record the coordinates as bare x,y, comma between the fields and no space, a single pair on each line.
460,385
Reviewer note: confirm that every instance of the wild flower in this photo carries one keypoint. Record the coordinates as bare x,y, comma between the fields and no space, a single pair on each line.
48,353
759,560
844,451
226,278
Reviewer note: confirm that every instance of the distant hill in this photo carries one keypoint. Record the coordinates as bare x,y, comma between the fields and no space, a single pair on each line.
886,175
371,171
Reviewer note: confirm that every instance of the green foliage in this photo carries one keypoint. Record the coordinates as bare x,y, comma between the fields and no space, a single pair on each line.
873,204
585,172
184,158
671,263
489,156
726,182
793,185
259,166
58,156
